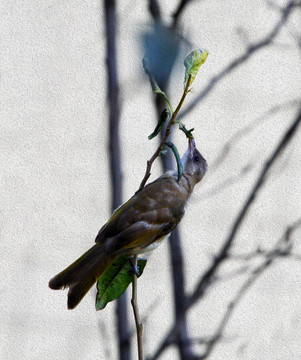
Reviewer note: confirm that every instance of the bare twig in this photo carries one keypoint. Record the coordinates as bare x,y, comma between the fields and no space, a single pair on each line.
233,304
229,181
278,250
115,156
250,51
166,135
134,301
206,279
281,251
176,15
241,133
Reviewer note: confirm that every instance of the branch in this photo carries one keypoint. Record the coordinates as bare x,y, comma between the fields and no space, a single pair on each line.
204,282
241,133
178,12
253,49
233,304
278,251
134,301
115,156
224,184
206,279
285,251
165,137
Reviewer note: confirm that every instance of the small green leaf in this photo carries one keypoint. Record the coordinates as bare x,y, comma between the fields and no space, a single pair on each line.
155,87
193,62
188,133
178,159
115,280
162,120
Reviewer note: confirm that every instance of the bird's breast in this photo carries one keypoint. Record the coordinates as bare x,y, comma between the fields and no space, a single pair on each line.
150,247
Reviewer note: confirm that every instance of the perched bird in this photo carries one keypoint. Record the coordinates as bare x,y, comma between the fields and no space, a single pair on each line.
136,227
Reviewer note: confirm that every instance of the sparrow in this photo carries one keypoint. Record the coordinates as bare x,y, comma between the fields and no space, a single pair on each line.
136,227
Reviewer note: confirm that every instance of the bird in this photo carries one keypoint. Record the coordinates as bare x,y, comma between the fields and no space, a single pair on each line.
138,226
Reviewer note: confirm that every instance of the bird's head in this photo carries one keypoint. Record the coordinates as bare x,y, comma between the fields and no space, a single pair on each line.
194,165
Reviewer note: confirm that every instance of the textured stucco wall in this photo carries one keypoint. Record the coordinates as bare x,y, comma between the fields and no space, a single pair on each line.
54,174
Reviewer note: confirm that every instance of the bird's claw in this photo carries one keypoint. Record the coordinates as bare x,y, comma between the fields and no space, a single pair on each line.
134,270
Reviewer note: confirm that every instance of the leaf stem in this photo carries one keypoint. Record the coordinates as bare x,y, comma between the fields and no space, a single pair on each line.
168,102
134,301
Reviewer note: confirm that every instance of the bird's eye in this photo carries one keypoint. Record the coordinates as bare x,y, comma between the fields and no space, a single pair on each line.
196,158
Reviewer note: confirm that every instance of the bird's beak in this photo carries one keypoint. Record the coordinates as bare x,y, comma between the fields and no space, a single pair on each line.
191,146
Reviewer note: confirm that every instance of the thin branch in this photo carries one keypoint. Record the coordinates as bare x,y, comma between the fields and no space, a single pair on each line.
166,135
134,301
176,15
206,279
224,184
233,304
241,133
278,250
204,282
115,158
259,252
250,51
281,251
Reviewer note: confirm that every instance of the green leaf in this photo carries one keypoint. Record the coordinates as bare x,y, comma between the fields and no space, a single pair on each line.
115,280
155,87
162,120
188,133
193,62
178,159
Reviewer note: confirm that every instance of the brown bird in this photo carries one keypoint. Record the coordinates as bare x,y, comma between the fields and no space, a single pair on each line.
136,227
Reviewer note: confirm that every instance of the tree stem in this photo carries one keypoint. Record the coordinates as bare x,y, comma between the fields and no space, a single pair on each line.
134,301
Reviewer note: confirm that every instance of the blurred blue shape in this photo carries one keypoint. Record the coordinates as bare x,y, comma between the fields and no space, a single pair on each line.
161,47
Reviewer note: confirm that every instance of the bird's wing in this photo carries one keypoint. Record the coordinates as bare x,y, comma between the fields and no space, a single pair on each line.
151,213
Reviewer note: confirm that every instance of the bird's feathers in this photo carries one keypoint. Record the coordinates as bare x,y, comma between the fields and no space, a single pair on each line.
82,274
143,220
150,214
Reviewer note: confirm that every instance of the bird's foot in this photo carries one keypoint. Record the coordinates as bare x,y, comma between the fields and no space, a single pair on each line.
134,270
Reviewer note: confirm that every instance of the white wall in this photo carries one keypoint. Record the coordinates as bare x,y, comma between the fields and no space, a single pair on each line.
55,181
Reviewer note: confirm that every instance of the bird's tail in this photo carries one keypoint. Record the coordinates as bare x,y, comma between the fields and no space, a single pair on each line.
82,274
